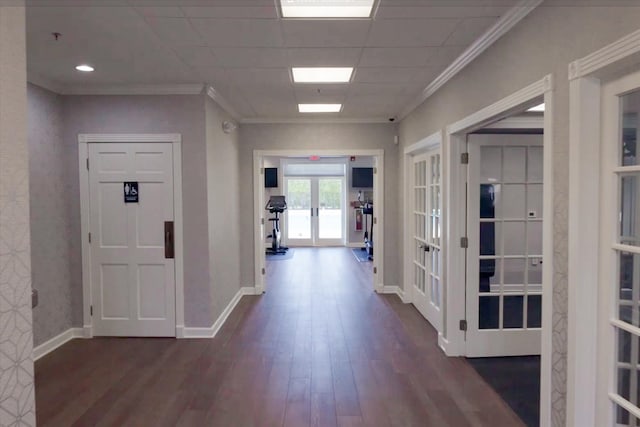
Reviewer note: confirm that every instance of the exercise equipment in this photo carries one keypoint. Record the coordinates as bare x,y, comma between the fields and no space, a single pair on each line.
367,210
276,205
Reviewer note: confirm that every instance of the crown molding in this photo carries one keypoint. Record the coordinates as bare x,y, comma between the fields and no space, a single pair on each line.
624,50
299,120
171,89
223,103
500,28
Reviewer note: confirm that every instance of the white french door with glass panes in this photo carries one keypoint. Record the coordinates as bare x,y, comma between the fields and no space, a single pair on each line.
619,281
504,255
427,257
315,214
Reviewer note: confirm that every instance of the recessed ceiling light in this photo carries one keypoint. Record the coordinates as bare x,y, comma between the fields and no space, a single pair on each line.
537,109
85,68
322,74
326,8
319,108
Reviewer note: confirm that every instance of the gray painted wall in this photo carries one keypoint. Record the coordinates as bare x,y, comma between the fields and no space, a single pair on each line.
184,114
16,339
320,136
545,42
50,215
223,200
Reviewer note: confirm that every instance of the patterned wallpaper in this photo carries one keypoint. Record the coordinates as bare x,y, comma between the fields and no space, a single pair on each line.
16,341
50,219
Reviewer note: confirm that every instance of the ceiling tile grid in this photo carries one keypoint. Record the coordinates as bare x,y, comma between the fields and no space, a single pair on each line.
245,50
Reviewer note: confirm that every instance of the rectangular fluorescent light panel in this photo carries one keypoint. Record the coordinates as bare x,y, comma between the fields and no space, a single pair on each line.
319,108
322,74
326,8
537,109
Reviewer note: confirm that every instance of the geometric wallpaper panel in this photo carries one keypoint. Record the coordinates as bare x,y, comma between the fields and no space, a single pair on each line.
16,336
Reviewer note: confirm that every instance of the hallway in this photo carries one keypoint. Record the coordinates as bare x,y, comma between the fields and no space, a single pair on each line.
319,348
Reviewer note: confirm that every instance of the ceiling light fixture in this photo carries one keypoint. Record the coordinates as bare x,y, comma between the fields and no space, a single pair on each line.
319,108
322,74
537,109
326,8
85,68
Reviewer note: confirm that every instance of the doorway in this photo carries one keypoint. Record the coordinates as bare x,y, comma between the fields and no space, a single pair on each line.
315,214
131,216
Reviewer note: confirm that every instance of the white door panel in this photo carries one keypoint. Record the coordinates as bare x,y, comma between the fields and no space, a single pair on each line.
504,257
133,284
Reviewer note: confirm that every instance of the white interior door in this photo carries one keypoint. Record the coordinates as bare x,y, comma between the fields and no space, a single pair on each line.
315,213
132,280
427,205
504,256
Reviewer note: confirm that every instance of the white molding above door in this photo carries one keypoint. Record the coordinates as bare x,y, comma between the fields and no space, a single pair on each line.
176,141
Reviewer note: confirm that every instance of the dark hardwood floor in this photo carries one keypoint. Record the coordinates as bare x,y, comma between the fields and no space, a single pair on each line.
319,348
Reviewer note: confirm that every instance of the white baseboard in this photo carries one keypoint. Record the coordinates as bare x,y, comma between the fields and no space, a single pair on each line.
447,347
57,341
394,290
211,331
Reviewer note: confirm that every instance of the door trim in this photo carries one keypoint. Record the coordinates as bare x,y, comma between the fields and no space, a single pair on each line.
586,77
455,178
259,212
83,154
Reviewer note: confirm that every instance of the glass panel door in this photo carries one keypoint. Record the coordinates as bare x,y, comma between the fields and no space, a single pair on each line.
298,216
330,210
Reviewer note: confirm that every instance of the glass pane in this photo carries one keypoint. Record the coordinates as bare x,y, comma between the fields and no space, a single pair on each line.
534,201
490,201
489,274
535,164
513,312
534,238
515,164
534,272
624,346
629,215
299,209
489,312
514,271
534,311
630,109
514,238
514,201
330,215
490,243
629,292
490,164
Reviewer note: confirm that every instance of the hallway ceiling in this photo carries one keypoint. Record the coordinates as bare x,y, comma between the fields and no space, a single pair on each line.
244,50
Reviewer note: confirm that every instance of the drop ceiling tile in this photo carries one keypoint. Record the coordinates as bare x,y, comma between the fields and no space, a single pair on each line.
444,56
267,11
261,77
330,95
176,31
469,30
387,74
197,56
396,57
274,106
325,33
261,57
410,32
325,57
162,11
383,89
394,11
239,32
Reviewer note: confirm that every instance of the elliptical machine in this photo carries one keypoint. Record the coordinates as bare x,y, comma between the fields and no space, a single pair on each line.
276,205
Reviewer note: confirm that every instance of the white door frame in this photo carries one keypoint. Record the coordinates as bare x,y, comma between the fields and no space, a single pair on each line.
587,76
455,178
426,144
83,155
260,217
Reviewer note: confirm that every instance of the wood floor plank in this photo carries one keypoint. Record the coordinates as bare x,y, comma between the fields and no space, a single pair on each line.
319,348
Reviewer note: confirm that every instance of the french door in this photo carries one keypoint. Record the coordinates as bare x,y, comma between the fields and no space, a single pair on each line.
619,367
316,211
504,255
427,256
